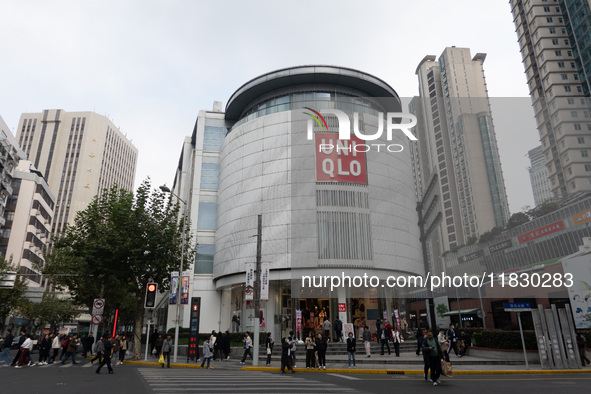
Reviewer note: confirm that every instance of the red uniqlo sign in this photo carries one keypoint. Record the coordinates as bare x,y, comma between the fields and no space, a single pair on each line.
541,232
342,308
340,160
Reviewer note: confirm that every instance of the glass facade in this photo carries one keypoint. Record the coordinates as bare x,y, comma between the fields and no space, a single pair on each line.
578,25
207,216
204,259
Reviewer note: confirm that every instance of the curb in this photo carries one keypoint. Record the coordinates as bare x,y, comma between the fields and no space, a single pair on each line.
138,362
420,372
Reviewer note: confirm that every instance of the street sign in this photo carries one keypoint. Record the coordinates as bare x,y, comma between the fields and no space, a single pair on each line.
98,306
517,307
97,319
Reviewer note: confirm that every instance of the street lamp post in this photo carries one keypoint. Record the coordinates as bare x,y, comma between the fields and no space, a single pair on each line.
165,189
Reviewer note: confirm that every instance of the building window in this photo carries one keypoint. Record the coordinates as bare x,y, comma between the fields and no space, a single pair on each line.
204,259
567,89
584,153
207,216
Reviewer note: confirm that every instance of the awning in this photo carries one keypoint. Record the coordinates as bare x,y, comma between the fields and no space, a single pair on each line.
462,312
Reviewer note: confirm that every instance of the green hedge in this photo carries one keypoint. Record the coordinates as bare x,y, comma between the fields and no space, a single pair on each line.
500,339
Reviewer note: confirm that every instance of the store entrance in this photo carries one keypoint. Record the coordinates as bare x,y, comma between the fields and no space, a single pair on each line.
315,311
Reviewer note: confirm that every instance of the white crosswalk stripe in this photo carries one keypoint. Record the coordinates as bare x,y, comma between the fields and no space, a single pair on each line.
214,381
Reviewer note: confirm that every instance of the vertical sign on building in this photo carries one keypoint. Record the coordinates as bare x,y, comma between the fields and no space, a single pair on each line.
249,289
194,328
340,160
185,287
298,321
397,318
174,283
264,281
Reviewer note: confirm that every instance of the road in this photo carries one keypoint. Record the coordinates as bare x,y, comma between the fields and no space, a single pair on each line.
227,378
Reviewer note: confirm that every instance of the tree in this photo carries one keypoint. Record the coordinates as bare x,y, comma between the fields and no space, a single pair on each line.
517,219
51,309
120,242
10,298
543,209
487,236
441,309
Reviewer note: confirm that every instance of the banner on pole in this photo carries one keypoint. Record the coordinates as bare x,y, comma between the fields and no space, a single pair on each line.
264,281
298,321
397,318
185,287
249,289
174,283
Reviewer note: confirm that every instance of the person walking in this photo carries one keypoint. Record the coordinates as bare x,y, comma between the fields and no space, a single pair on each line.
379,329
310,344
5,355
158,345
44,349
351,349
108,348
367,340
293,347
269,342
55,347
338,329
207,353
100,350
123,345
247,346
89,344
167,349
64,345
385,337
227,345
321,346
24,350
286,355
217,346
426,360
432,348
582,345
452,337
420,336
397,339
327,324
21,340
116,341
71,349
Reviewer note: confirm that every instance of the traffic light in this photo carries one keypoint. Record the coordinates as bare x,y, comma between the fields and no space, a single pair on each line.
151,290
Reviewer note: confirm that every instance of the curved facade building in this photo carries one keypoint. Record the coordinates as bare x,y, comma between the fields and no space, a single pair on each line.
329,205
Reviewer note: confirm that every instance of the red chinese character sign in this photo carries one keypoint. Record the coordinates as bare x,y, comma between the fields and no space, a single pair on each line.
340,160
342,307
299,321
541,232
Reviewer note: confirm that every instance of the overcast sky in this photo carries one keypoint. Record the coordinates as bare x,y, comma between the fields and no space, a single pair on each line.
151,65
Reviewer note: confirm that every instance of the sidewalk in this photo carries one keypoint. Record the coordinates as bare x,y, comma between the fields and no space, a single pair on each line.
377,368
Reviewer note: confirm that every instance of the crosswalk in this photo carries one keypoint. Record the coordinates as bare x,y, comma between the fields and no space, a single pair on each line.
219,381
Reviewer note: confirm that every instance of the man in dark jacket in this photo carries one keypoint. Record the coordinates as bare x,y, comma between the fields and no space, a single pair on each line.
338,329
433,350
20,342
71,349
106,356
6,346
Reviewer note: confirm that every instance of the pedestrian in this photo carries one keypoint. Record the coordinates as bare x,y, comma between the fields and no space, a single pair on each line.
5,355
582,345
55,347
123,345
158,345
269,342
207,353
452,337
87,345
247,346
100,350
338,329
420,336
379,329
397,339
64,343
310,344
116,342
426,360
351,349
432,348
44,349
293,347
153,338
217,346
321,346
227,345
71,349
286,355
327,325
444,344
367,340
108,348
465,343
166,349
21,340
24,350
212,341
385,337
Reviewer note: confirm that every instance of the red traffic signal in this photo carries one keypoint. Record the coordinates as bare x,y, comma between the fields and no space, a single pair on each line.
151,290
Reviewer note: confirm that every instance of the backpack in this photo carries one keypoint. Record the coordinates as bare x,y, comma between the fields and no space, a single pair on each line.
65,343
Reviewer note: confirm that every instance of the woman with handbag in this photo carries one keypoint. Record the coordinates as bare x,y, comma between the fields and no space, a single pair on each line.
269,346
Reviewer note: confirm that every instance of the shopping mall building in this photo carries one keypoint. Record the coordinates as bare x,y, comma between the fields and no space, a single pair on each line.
328,208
